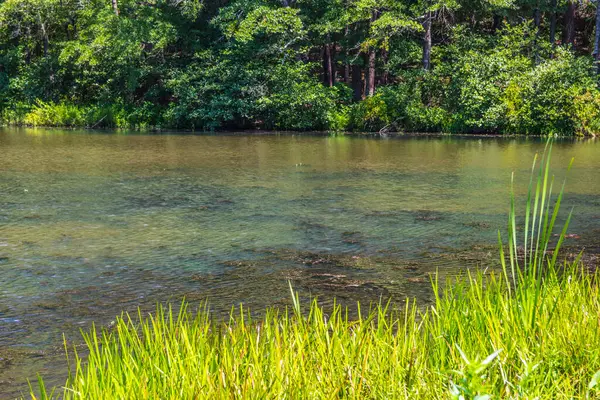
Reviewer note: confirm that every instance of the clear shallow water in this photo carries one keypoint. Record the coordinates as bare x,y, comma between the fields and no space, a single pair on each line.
93,224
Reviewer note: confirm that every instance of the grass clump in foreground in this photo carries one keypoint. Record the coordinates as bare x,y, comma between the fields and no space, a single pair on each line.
531,331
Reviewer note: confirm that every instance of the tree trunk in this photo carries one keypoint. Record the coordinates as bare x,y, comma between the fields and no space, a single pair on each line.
347,73
44,33
27,49
569,20
334,72
46,46
537,16
497,23
346,57
66,24
427,41
357,82
597,39
371,77
327,66
364,81
553,26
371,63
385,55
115,6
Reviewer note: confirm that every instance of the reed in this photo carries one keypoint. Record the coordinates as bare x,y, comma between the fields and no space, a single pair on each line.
531,330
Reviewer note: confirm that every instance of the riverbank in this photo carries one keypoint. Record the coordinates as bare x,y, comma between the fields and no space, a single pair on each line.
482,337
30,129
555,98
529,329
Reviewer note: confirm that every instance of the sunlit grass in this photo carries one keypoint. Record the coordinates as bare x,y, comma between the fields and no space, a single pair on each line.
531,331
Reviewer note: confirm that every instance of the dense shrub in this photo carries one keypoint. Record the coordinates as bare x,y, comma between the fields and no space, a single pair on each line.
67,114
556,97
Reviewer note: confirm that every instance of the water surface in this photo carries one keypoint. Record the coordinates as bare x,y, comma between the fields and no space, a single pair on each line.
92,224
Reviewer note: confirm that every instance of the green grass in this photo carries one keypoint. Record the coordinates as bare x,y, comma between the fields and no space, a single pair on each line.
532,330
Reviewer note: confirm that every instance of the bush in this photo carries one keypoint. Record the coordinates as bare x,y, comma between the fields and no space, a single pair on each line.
557,97
471,79
67,114
586,107
14,114
494,85
53,114
284,96
297,101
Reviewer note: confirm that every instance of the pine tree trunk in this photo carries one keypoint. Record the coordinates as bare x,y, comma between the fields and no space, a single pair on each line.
497,23
385,55
371,63
115,7
45,38
371,76
569,21
27,49
537,16
553,25
357,82
334,72
346,57
327,67
347,73
427,42
365,82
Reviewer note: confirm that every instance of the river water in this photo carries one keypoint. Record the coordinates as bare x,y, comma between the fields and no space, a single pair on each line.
92,224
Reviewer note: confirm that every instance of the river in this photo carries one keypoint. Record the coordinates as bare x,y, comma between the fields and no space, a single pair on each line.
95,223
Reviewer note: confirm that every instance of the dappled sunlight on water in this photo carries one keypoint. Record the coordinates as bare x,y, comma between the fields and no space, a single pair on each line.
93,224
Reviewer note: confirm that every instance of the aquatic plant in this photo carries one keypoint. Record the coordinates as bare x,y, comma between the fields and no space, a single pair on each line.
530,330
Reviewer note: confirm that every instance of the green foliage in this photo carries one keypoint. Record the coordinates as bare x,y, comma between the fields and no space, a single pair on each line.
556,97
195,64
397,108
373,114
14,113
50,114
72,115
298,102
471,381
490,85
471,83
267,22
212,95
